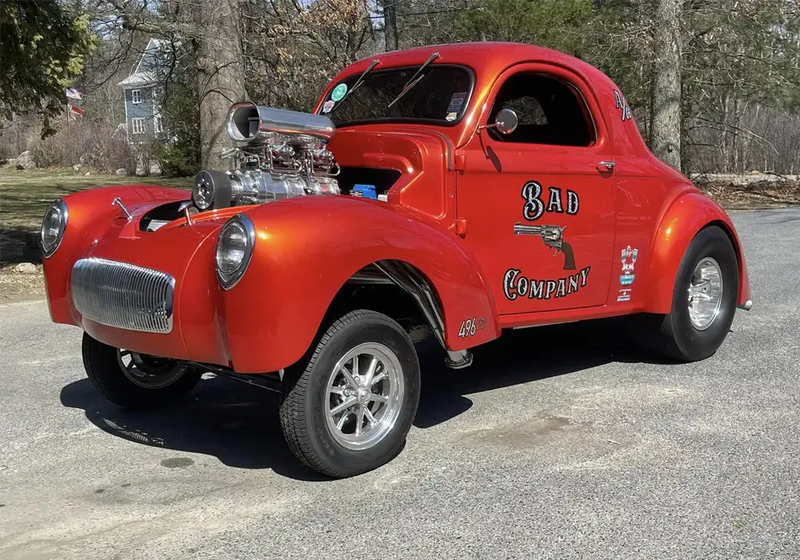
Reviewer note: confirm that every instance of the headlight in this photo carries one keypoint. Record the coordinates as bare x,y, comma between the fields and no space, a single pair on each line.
53,226
234,249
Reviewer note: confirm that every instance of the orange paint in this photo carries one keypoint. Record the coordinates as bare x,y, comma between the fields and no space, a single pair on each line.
450,214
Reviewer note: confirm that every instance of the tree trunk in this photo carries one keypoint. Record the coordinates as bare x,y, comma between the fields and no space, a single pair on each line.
390,25
665,105
220,68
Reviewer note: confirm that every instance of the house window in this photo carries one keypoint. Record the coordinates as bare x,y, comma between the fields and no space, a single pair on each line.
136,96
158,123
138,126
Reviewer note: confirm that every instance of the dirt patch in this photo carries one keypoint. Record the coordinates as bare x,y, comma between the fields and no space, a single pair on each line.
751,192
15,286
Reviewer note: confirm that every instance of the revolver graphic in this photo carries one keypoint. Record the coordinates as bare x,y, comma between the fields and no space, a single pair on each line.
552,236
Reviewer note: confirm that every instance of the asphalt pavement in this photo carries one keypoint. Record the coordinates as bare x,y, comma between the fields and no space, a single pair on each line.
561,442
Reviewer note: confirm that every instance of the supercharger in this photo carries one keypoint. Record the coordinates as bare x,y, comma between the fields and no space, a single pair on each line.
278,154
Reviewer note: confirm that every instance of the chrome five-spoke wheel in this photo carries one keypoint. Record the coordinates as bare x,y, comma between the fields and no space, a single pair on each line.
365,394
705,293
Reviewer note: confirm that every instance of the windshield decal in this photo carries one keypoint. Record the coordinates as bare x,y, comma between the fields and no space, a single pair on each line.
327,107
339,92
456,102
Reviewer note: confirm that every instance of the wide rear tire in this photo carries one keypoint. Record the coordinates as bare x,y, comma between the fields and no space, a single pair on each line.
348,406
703,302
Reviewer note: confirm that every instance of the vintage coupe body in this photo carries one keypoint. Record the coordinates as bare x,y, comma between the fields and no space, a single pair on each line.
453,190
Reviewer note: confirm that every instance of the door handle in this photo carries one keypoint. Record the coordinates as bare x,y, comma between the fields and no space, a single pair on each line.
606,166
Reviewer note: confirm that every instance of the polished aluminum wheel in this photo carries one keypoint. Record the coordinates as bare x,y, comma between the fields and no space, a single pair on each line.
148,372
364,396
705,293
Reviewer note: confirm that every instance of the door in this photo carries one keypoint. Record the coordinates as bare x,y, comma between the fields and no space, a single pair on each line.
538,203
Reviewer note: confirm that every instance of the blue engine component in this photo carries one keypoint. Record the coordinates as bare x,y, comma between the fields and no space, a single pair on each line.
365,191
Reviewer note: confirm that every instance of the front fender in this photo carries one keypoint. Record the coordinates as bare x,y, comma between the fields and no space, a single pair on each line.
91,215
680,223
308,247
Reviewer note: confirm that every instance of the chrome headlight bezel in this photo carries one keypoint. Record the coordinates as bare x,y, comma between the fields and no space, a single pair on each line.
61,212
239,227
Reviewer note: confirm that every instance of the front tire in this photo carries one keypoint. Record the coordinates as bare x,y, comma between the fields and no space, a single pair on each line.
347,408
703,302
136,381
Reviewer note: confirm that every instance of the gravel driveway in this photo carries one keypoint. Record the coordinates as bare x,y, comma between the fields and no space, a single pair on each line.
561,442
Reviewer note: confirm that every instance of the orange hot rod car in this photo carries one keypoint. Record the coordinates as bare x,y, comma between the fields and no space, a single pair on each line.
460,190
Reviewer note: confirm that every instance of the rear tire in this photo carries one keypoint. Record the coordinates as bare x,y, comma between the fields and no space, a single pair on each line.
699,321
367,360
136,381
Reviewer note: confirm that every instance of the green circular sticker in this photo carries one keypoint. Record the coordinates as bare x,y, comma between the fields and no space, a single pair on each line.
339,92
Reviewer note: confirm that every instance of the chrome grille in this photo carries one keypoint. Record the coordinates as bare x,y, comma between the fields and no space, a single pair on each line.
123,295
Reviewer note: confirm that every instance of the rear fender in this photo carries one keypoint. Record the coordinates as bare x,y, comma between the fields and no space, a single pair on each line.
307,248
684,218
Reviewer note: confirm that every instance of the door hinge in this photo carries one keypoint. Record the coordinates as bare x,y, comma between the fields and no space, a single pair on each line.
460,226
460,161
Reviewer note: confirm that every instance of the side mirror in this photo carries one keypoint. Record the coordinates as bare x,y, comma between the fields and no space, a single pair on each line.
506,121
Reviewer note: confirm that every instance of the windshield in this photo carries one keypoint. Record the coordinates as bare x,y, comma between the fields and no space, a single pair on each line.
440,97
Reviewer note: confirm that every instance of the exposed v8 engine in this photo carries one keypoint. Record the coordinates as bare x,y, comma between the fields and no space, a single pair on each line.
284,154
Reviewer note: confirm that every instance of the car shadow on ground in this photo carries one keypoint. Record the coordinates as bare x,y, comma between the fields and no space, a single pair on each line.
19,244
522,356
238,423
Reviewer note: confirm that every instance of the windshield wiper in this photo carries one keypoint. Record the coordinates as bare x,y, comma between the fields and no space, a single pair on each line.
358,83
414,80
363,75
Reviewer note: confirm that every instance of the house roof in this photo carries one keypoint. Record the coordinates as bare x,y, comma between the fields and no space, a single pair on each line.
149,64
142,79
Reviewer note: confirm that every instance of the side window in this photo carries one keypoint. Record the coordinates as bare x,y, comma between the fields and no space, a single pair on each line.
550,111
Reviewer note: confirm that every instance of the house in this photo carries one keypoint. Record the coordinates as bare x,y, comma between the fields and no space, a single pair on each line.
141,89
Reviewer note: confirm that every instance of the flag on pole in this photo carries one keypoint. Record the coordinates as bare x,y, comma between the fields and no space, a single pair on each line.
73,93
75,111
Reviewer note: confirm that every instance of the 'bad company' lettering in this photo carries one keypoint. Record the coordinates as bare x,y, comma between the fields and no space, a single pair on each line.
535,207
515,285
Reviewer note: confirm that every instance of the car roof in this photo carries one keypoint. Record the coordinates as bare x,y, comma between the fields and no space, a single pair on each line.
489,59
483,57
